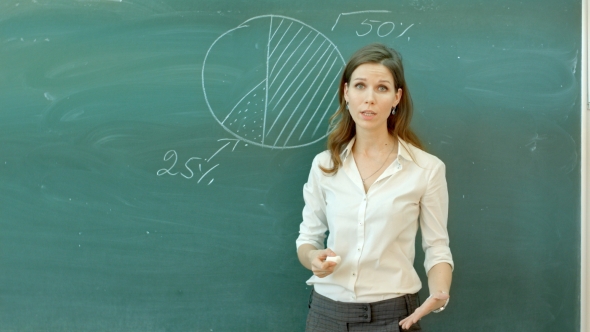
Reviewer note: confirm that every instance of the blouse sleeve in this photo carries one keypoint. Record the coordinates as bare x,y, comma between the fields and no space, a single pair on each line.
314,226
434,208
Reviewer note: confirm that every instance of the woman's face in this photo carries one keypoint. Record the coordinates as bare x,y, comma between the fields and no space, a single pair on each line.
370,95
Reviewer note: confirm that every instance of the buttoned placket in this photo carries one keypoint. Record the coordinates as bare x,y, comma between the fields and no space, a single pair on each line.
354,175
360,240
395,167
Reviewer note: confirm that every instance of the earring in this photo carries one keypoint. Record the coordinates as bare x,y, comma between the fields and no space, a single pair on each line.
347,106
393,110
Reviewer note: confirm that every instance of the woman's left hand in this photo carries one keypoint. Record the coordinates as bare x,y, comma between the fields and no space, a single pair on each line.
432,303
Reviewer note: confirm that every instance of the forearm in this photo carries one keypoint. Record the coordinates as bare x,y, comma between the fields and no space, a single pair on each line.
303,254
439,284
439,278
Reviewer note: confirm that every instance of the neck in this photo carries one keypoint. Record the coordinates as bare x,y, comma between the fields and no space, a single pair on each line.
370,142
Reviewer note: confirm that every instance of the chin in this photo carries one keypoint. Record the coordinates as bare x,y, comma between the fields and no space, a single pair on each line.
366,125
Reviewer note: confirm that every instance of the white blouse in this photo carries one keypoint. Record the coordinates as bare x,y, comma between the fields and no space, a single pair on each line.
375,232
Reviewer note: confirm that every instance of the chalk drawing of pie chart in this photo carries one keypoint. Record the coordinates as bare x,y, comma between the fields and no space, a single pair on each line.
273,81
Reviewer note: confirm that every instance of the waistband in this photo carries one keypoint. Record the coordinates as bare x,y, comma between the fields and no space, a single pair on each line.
364,312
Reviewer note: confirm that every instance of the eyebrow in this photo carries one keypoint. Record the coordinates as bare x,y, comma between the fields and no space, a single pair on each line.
364,79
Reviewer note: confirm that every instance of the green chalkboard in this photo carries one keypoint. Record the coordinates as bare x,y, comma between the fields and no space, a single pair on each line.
153,153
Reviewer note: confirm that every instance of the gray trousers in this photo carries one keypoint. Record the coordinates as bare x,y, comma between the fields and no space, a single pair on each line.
326,315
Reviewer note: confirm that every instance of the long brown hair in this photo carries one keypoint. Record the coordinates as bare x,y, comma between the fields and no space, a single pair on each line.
341,123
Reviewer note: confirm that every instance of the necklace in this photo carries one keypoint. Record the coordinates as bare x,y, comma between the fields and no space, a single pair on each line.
380,167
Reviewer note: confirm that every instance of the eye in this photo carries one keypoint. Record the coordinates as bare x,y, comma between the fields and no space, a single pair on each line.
359,86
382,88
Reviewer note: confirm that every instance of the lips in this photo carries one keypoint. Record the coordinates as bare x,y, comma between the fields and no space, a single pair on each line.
368,113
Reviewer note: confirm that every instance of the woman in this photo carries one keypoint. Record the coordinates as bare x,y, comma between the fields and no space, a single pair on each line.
371,189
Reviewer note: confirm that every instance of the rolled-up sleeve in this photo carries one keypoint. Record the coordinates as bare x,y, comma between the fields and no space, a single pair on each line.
434,208
314,225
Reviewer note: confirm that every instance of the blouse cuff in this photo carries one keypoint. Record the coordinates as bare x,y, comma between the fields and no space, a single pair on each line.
438,254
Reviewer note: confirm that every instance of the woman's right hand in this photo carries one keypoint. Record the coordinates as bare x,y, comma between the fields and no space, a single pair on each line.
319,266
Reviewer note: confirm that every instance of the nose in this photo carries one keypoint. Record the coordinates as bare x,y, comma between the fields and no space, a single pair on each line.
370,96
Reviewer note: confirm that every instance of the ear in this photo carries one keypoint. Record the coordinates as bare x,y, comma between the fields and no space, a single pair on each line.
398,96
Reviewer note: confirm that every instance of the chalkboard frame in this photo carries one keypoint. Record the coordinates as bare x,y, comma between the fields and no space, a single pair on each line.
585,176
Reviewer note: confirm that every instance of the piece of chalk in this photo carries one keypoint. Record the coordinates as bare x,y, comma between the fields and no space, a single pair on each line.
335,259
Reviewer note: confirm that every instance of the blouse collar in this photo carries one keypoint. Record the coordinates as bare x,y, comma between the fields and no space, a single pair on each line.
402,149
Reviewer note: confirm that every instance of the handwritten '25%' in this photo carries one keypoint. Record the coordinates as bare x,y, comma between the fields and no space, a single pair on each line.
172,155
